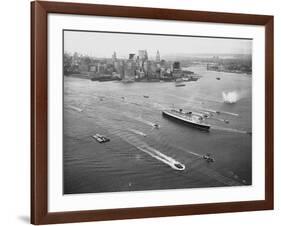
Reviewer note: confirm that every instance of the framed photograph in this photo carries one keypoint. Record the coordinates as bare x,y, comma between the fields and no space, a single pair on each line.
148,112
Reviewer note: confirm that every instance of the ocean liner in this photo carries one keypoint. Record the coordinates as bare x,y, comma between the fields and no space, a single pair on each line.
188,118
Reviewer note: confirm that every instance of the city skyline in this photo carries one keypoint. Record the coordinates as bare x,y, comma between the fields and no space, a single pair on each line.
103,45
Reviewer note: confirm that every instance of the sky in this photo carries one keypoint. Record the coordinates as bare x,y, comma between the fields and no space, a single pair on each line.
97,44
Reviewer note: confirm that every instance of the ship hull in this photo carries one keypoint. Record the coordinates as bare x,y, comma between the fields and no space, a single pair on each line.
185,121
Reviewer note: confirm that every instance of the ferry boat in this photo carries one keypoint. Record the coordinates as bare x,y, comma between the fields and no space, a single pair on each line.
178,166
187,117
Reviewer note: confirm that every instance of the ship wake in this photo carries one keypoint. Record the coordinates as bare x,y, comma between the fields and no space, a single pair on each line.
157,154
140,119
144,147
232,130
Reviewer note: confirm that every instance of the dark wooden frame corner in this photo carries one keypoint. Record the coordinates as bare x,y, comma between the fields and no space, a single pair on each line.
39,109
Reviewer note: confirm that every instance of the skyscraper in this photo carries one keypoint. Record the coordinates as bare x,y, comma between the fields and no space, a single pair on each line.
114,57
157,56
143,55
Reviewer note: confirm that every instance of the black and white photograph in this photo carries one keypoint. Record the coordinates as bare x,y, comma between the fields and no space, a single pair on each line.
155,111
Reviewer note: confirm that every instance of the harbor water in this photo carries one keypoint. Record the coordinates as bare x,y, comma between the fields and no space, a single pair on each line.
139,156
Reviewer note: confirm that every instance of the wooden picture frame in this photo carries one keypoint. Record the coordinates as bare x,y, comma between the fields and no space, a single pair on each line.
39,112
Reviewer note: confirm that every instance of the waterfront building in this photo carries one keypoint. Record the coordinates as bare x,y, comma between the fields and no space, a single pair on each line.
130,68
92,68
177,72
176,65
151,70
122,69
132,56
163,63
116,66
141,74
145,67
162,72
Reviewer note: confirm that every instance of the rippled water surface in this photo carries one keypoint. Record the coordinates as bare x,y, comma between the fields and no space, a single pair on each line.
139,156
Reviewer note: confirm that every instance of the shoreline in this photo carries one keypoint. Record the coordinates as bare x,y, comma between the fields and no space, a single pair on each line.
85,76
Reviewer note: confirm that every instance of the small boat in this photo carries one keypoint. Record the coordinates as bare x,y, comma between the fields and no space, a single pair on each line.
218,78
178,166
208,158
146,96
155,125
101,138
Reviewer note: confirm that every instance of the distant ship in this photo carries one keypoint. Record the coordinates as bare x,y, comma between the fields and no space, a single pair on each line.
179,82
190,79
128,79
187,117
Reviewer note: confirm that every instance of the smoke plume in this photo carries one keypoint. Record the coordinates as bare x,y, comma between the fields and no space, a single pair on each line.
230,97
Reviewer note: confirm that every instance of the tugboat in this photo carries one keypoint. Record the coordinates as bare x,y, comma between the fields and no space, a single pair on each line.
187,117
208,158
